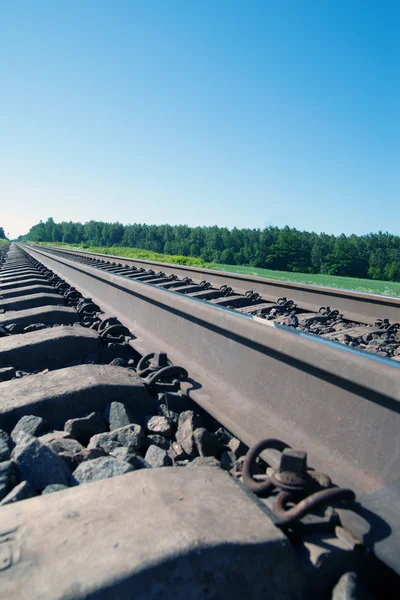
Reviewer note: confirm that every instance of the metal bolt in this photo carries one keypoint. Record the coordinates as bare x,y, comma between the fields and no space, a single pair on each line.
292,472
294,461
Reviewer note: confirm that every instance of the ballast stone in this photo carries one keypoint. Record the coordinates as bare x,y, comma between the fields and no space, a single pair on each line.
38,464
157,533
54,436
22,491
171,416
131,436
159,440
65,445
86,427
117,415
134,459
100,468
207,443
29,424
157,457
88,454
159,425
188,422
54,487
237,447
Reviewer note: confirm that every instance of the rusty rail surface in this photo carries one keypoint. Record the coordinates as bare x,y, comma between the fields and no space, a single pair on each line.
262,380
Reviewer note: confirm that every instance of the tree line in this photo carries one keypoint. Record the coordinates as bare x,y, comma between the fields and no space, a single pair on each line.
371,256
2,234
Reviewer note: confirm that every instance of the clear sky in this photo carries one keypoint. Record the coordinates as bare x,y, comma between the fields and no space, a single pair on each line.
236,113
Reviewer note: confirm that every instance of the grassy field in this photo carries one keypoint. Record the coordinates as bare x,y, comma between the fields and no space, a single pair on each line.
2,242
388,288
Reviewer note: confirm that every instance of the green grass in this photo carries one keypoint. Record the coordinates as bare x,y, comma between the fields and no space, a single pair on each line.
388,288
3,241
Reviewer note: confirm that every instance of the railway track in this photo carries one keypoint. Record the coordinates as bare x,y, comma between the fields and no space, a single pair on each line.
107,371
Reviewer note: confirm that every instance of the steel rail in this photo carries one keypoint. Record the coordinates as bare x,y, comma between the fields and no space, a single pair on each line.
263,380
356,306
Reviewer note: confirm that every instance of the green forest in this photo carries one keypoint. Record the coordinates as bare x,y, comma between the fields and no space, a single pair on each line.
371,256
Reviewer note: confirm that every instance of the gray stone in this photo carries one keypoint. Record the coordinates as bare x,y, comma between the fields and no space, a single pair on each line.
228,460
135,460
237,447
207,443
157,457
121,453
176,452
86,427
159,440
101,468
204,461
69,460
88,454
103,442
22,491
6,474
5,445
55,487
131,436
351,587
223,435
170,415
30,424
54,436
159,425
38,464
117,415
188,422
64,445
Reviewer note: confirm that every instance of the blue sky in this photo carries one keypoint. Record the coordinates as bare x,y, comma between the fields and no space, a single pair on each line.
236,113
